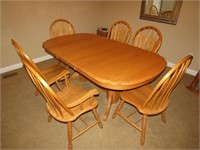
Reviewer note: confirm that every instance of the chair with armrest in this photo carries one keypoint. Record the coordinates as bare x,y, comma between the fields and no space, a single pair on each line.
52,74
61,27
148,38
67,105
149,100
120,31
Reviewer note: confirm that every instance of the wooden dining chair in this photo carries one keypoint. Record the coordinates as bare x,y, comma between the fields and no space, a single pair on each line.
52,74
148,38
167,14
120,31
67,105
150,101
61,27
153,10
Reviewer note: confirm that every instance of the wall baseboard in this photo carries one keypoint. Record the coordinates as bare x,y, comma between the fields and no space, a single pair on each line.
188,71
36,60
19,65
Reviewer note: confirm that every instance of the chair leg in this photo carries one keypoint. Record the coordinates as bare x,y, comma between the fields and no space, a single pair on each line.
69,126
49,118
36,92
94,111
118,109
144,122
163,117
57,85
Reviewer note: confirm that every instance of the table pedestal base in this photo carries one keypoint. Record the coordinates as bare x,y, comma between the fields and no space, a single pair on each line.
112,97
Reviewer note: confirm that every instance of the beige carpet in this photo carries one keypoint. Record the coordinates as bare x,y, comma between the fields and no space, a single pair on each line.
24,121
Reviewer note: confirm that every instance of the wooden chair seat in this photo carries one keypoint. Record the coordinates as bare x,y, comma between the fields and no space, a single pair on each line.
140,96
72,96
54,73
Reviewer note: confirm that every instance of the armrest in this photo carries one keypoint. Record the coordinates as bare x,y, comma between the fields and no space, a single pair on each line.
84,97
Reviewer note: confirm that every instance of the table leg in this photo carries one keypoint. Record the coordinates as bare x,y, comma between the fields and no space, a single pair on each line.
112,97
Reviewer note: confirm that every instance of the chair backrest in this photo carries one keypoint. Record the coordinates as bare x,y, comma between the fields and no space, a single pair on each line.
120,31
61,27
153,10
54,102
167,14
23,56
148,38
158,99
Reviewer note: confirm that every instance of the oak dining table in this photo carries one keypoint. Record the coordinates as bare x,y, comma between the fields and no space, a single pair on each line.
110,64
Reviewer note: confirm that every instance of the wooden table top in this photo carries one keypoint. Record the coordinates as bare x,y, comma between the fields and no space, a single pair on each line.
108,63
